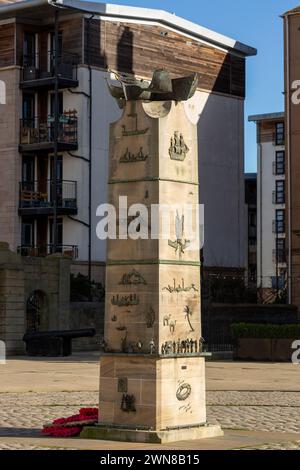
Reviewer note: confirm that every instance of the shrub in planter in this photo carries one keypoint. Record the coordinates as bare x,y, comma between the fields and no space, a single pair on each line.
264,342
253,330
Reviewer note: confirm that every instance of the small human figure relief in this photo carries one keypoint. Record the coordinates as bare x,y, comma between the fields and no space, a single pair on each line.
180,287
152,346
129,157
122,384
178,148
150,317
134,130
124,345
180,244
180,347
104,346
188,314
201,344
133,277
166,320
125,300
172,326
114,318
128,403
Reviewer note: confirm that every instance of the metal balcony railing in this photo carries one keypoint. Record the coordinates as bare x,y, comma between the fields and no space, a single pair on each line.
46,250
40,194
40,131
278,226
42,66
279,256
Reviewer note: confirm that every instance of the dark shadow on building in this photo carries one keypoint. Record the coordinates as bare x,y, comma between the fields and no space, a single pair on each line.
125,51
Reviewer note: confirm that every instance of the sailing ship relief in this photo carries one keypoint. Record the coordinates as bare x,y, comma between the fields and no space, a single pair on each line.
178,148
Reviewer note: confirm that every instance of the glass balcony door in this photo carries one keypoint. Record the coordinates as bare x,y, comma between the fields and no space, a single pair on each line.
29,49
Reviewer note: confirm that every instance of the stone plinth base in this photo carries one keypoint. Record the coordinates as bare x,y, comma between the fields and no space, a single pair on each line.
152,437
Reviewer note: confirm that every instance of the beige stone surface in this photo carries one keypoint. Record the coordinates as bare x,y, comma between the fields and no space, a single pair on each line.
163,381
80,372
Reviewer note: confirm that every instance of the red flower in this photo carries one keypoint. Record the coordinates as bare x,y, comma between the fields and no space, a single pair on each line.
59,426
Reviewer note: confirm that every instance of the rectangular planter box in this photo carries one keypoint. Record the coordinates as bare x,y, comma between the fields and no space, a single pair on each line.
263,349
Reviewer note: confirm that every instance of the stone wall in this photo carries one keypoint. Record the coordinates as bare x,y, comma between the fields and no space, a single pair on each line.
87,315
21,277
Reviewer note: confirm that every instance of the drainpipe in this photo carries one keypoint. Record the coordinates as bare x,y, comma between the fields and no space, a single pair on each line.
56,125
288,152
90,148
260,208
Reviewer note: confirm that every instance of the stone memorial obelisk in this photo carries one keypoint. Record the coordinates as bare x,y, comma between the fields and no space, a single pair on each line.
152,368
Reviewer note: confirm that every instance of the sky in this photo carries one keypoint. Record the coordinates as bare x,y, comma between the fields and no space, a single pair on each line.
256,23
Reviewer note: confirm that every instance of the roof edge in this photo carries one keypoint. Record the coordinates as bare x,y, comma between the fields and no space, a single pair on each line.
137,13
266,117
293,11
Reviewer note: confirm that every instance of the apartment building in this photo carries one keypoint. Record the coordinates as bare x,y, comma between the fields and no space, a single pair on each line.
291,22
251,227
55,112
271,202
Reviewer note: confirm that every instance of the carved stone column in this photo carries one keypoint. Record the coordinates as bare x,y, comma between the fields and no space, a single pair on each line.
152,370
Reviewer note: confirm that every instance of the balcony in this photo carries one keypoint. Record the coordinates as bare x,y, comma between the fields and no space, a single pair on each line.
279,256
38,71
70,251
37,135
36,197
278,227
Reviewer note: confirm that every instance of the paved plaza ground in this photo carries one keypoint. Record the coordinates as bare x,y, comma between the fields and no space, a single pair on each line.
257,404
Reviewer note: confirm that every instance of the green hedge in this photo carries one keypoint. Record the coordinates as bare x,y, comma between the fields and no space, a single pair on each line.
249,330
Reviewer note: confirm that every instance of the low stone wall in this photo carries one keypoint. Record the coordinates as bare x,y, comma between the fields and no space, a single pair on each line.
87,315
24,279
263,349
218,318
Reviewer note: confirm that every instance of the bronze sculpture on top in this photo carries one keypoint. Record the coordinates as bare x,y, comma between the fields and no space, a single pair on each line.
161,88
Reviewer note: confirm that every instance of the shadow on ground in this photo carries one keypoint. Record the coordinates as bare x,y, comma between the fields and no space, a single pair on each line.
20,432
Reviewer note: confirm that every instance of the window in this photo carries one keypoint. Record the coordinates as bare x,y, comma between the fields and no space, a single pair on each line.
280,163
279,133
280,250
280,192
252,219
60,43
280,221
27,235
59,233
278,282
28,169
60,103
29,52
28,109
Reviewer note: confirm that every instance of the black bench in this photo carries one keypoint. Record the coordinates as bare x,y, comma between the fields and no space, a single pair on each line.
54,343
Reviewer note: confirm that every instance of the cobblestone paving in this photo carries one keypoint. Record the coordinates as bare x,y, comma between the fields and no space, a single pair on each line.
17,446
24,414
255,411
286,446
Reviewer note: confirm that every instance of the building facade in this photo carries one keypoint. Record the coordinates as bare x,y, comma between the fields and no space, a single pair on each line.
251,227
291,21
55,112
271,203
